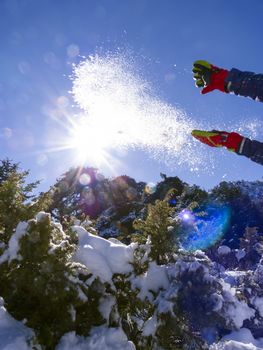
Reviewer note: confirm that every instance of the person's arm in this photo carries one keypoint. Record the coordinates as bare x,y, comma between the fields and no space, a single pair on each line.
252,149
233,142
209,78
246,84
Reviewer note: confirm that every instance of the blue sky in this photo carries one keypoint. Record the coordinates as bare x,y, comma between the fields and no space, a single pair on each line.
41,39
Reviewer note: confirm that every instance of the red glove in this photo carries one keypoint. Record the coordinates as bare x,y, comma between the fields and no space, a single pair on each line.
209,77
216,138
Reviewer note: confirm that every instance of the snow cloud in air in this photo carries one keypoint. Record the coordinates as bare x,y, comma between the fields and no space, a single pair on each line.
120,107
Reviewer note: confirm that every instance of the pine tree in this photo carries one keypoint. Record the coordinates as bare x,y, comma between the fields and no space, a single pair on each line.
157,225
226,192
43,286
17,200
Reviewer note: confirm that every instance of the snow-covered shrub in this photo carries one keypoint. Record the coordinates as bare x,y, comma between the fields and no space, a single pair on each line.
136,303
204,299
17,202
43,286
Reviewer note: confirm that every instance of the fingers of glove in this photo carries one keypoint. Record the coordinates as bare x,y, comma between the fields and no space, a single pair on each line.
198,75
219,131
202,74
197,70
199,83
199,80
206,142
200,64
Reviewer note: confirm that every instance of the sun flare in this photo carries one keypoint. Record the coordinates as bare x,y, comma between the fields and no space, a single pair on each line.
90,141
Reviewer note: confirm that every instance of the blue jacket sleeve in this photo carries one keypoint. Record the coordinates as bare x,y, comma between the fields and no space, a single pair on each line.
245,84
252,149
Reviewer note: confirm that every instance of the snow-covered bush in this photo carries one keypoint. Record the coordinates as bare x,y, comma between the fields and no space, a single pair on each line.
58,282
17,201
64,284
43,286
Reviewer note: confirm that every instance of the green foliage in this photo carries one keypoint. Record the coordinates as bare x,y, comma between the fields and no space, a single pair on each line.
174,333
44,286
157,225
130,309
66,197
226,192
141,257
193,194
17,202
7,168
162,188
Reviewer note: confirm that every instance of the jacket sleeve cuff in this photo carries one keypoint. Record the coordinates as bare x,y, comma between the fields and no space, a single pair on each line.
241,146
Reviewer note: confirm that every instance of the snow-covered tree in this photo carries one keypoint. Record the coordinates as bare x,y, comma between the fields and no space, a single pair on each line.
18,202
42,285
157,225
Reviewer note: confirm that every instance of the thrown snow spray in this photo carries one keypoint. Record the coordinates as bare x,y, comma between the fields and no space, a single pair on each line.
250,127
121,112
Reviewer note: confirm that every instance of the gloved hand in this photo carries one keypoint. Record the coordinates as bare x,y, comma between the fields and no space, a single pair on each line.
209,77
217,138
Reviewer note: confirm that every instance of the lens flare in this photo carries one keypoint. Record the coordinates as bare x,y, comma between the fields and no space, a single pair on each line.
187,216
84,179
205,231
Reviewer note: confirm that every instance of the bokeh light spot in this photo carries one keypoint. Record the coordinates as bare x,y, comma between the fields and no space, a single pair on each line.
84,179
150,188
72,50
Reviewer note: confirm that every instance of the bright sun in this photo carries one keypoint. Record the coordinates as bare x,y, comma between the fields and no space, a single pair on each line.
90,141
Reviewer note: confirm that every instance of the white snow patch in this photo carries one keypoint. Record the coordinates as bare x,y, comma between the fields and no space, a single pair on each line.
234,277
106,305
223,250
11,252
237,311
41,216
115,240
153,279
217,299
240,254
258,302
13,334
101,338
102,257
150,326
239,340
